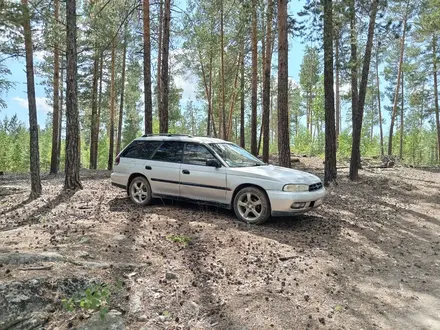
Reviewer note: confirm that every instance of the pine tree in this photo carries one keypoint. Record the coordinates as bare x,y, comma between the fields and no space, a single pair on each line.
72,166
283,86
33,124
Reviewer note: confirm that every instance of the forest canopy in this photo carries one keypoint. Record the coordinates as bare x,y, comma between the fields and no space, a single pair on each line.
378,59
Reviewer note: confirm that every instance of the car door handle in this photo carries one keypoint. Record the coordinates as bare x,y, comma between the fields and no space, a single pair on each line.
185,172
148,167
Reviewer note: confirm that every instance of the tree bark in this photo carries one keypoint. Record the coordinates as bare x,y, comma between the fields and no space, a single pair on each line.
208,91
112,109
358,109
283,87
211,112
437,111
396,93
338,96
254,146
222,63
378,102
355,151
401,120
242,132
164,84
234,95
93,142
159,61
33,123
121,105
60,117
266,83
330,129
72,180
56,99
148,105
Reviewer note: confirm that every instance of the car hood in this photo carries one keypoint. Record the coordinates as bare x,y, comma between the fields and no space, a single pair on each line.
281,174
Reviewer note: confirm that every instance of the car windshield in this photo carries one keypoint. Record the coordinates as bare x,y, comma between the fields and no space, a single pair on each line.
235,156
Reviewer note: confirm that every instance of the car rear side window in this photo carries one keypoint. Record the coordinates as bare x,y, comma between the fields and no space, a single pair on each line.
196,154
169,152
141,149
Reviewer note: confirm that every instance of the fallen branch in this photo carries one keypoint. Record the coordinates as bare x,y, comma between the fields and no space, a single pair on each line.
37,268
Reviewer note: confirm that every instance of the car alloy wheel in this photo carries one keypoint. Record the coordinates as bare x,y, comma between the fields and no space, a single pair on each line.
140,191
251,205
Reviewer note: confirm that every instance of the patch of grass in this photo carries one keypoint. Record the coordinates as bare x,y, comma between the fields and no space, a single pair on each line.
185,240
95,298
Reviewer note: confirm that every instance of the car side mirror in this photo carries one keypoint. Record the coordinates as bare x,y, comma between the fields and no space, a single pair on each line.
213,163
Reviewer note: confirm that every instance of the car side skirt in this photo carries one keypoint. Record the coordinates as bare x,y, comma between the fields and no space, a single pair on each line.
119,185
194,201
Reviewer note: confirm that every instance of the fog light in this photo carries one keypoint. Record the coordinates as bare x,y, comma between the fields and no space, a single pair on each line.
298,205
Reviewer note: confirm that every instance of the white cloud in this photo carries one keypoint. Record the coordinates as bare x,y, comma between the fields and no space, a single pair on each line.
42,104
188,84
39,55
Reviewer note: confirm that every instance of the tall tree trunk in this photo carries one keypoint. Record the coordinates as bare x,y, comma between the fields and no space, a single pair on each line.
234,95
72,180
159,61
330,129
355,152
219,109
372,118
164,83
208,91
358,110
33,123
378,102
254,146
308,115
222,63
437,111
93,142
112,109
121,105
242,133
266,83
401,121
95,137
283,87
396,93
56,101
148,105
211,112
60,117
338,97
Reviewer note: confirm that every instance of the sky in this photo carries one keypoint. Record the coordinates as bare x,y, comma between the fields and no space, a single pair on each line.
16,98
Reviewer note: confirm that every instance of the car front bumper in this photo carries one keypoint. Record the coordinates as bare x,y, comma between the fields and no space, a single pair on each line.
281,201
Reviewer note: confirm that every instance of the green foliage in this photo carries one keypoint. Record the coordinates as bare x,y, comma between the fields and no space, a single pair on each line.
185,240
95,298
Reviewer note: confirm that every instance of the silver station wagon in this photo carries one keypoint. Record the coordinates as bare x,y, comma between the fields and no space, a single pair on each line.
213,171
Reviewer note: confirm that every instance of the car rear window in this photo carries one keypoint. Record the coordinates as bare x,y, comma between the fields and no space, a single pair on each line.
140,149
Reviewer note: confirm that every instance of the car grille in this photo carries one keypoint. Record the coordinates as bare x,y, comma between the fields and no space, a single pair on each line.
315,186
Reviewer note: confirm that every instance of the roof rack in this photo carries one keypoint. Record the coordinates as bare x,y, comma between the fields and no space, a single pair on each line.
166,134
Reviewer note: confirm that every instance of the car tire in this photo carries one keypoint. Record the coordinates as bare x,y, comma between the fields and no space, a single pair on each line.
251,205
140,191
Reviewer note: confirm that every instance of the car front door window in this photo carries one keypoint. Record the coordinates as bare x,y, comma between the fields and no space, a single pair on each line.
196,154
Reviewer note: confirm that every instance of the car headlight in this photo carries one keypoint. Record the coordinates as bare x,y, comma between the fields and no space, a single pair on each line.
296,187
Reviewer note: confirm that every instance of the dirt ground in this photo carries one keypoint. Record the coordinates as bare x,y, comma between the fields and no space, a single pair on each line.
367,259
